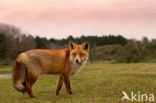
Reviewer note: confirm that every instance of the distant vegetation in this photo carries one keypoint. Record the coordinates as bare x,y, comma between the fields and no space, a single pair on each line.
109,48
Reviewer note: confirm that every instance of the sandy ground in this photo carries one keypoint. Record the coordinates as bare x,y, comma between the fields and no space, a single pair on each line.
5,75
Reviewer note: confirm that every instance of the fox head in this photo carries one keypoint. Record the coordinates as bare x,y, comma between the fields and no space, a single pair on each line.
78,53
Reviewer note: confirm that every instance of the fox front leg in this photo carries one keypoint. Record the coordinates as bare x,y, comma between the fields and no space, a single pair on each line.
67,84
59,84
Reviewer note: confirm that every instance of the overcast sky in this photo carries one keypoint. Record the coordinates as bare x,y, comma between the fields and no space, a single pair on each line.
60,18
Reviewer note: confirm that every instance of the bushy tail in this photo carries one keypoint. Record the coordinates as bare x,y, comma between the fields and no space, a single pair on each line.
19,76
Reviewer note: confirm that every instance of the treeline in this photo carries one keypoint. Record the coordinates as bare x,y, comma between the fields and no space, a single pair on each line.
134,51
112,48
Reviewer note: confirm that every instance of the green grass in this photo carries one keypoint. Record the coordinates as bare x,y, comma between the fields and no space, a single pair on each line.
96,83
5,69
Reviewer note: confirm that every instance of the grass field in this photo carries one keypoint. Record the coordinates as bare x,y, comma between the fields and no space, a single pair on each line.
5,70
96,83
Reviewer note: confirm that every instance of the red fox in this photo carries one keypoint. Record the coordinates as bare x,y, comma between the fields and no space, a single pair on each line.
31,64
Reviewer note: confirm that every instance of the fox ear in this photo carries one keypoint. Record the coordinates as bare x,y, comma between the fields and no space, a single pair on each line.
71,45
86,46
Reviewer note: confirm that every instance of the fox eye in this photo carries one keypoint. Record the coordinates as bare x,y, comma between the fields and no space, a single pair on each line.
82,54
74,54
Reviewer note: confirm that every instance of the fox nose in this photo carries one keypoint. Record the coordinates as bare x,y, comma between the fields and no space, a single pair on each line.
77,60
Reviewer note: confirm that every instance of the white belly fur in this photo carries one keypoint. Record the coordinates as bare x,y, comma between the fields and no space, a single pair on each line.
75,68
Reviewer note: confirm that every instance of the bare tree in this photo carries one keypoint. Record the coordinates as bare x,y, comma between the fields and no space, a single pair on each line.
15,41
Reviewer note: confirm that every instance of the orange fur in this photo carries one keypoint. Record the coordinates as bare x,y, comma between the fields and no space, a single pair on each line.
31,64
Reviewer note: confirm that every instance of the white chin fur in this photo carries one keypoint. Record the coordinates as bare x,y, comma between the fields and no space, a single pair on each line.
76,67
